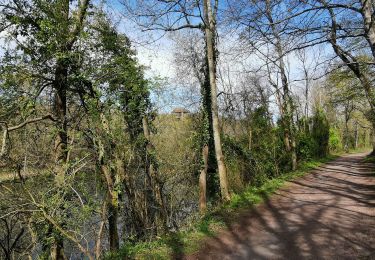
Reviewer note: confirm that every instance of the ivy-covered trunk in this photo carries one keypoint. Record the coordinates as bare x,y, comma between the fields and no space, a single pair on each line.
113,237
206,178
203,181
106,149
112,212
60,110
210,31
61,140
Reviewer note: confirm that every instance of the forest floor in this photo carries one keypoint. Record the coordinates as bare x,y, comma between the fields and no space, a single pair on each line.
327,214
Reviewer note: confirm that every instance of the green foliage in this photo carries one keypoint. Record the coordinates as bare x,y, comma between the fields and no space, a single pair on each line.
320,133
306,146
264,145
255,157
313,144
334,142
239,162
370,159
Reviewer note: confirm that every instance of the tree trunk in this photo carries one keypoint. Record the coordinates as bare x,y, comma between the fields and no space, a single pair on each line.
60,85
350,60
60,110
346,142
356,135
61,143
112,199
306,100
250,138
98,243
367,12
57,250
114,242
368,19
203,181
371,138
288,112
289,137
104,160
210,30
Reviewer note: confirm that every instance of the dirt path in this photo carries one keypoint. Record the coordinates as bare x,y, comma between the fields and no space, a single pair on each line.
328,214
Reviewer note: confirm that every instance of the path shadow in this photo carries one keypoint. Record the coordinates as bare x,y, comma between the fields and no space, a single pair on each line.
327,214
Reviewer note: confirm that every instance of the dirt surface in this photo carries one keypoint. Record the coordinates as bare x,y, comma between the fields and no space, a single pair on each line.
328,214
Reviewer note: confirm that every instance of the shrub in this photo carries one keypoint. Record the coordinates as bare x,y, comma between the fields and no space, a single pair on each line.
320,133
334,142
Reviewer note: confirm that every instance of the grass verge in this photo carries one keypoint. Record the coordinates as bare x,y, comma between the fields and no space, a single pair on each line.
187,242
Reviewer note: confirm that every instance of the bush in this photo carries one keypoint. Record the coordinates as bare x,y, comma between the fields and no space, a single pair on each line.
315,143
334,143
307,146
320,133
256,155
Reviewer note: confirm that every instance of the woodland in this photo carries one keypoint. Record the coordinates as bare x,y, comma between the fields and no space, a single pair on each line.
94,165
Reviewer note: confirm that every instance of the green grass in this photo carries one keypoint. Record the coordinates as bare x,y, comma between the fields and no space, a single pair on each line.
351,151
189,241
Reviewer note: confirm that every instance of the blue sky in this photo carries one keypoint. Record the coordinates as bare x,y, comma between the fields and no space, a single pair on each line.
158,56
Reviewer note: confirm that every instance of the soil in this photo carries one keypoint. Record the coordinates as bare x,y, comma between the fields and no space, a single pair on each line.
328,214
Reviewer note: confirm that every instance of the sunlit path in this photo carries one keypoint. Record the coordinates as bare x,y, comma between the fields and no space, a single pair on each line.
329,214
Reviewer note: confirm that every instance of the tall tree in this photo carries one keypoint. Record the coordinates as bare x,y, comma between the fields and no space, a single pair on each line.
210,15
177,15
49,35
263,29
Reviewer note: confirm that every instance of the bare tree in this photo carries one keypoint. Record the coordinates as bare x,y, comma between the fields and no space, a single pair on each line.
263,28
176,15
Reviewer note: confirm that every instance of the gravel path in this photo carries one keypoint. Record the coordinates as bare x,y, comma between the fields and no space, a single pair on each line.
328,214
